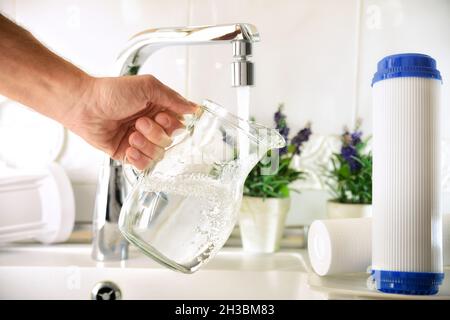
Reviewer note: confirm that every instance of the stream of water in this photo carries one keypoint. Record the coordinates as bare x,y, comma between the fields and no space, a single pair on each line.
243,112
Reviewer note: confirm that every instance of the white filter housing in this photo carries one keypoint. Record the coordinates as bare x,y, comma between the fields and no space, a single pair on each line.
407,221
406,178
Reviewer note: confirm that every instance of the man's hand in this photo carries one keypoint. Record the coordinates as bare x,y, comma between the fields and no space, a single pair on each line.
130,116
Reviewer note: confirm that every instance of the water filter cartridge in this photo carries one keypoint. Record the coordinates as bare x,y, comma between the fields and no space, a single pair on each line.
407,221
340,245
345,245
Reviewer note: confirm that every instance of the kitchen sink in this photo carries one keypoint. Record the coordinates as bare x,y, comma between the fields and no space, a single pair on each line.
67,271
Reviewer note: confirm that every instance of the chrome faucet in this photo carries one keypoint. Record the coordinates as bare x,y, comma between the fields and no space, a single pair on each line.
112,188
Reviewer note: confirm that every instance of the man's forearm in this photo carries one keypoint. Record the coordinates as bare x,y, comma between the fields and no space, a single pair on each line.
35,76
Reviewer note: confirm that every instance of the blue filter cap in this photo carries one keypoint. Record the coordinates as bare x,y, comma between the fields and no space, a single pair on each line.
411,283
406,65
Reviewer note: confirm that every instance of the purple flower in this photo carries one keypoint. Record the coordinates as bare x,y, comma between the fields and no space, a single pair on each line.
281,126
356,137
301,137
350,155
283,151
280,118
348,150
284,131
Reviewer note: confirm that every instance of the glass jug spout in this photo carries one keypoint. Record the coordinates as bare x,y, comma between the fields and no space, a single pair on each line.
267,138
248,138
264,148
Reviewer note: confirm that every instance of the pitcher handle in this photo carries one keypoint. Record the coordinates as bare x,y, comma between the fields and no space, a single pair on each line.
132,175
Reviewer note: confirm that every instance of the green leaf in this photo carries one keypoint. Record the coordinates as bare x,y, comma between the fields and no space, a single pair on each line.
344,171
291,148
284,191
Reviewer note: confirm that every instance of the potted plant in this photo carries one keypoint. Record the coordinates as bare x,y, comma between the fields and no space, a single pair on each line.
351,177
266,199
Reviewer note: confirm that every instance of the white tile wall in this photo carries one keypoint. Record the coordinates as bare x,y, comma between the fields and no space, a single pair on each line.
316,56
389,27
305,59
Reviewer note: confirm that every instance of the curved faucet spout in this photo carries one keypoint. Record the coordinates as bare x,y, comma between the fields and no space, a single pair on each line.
143,44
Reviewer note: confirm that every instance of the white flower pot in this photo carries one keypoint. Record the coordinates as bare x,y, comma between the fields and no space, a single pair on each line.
337,210
261,223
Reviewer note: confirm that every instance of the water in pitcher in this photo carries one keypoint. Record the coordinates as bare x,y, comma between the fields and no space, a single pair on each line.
195,211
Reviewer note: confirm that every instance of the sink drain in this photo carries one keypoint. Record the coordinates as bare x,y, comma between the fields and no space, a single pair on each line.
106,290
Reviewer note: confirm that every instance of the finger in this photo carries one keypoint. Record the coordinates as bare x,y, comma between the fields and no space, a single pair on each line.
153,132
138,141
137,159
168,122
163,95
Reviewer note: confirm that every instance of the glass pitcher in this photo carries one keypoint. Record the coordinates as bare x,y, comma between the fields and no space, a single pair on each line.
182,211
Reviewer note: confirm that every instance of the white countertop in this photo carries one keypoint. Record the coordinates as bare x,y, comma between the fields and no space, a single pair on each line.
66,271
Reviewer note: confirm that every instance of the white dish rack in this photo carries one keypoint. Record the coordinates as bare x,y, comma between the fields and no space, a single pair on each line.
36,204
